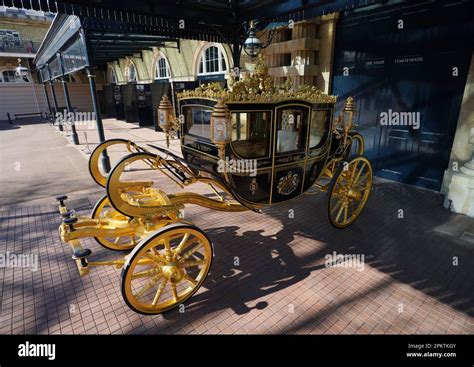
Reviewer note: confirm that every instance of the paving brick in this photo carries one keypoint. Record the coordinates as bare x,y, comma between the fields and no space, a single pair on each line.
282,266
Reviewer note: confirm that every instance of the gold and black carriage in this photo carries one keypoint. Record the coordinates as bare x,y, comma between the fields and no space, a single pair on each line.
253,144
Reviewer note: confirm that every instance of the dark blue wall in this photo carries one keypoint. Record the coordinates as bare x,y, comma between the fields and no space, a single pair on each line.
406,70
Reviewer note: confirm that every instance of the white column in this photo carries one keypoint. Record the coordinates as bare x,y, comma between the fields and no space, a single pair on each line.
458,184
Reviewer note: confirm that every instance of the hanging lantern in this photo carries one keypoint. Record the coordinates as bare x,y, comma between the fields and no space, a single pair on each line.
165,117
252,45
221,126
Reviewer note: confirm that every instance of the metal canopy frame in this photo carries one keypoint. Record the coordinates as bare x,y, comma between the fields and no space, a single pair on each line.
220,13
221,21
94,43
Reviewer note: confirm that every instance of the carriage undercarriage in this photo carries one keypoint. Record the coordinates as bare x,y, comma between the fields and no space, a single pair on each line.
291,135
170,257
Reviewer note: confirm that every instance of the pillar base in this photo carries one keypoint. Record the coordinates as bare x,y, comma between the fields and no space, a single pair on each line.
460,193
75,138
468,168
106,163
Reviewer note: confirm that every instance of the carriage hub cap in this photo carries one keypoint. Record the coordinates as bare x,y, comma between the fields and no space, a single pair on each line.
173,273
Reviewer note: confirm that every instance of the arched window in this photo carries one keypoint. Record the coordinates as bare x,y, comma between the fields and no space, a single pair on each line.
111,77
212,61
9,75
162,69
132,73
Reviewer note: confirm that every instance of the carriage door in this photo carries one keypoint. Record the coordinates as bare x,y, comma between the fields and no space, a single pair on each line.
291,125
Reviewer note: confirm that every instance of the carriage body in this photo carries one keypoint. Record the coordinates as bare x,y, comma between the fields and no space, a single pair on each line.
277,151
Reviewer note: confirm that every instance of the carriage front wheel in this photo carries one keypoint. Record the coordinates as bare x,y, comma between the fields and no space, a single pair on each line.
349,191
166,268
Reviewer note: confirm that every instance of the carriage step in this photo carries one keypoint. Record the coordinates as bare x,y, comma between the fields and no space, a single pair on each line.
61,199
70,222
67,214
81,255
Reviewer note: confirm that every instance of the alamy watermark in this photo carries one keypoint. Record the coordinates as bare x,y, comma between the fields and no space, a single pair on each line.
336,260
28,349
393,118
78,118
237,166
10,260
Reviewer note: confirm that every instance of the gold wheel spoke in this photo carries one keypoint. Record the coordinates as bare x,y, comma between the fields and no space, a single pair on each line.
182,244
354,170
359,173
339,213
146,287
157,253
155,258
143,274
117,240
360,182
133,241
192,250
338,203
346,210
190,280
160,290
190,263
166,242
174,292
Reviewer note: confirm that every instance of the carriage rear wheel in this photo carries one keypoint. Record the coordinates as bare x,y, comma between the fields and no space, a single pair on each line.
349,191
103,210
166,268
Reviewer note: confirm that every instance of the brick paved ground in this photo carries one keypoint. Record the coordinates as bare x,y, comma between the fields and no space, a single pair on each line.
281,285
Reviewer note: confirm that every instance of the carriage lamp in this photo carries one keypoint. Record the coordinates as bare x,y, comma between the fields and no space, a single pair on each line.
165,117
347,117
221,127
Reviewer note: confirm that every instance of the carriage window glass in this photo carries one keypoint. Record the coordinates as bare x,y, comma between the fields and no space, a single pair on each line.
291,124
318,127
198,120
251,133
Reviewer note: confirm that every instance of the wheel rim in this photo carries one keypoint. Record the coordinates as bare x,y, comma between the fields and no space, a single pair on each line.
167,270
350,192
103,210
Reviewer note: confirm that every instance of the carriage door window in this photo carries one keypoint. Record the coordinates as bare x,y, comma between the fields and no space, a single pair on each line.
251,134
319,127
291,123
198,121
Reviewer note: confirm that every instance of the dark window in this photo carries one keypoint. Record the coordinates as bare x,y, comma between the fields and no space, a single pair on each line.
198,120
212,61
318,128
251,133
